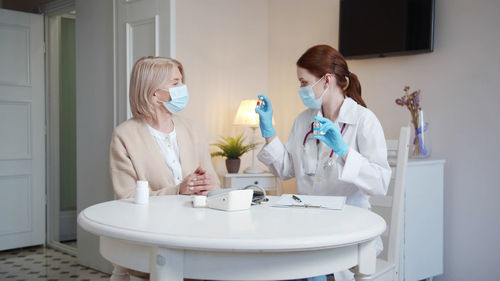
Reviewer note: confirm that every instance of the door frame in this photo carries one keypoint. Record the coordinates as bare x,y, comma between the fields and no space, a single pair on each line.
55,8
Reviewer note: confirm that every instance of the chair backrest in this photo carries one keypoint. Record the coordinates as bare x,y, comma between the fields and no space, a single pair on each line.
390,206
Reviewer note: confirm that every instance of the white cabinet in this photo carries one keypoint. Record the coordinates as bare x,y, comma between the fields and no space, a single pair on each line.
265,180
422,242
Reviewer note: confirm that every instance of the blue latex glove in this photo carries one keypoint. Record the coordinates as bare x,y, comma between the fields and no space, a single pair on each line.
333,137
266,118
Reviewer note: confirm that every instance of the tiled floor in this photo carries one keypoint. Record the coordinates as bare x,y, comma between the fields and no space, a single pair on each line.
44,264
71,243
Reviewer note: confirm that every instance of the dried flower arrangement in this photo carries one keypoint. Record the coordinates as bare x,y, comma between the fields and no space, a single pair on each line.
412,102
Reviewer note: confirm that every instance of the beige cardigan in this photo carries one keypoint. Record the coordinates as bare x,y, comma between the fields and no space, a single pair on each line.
134,156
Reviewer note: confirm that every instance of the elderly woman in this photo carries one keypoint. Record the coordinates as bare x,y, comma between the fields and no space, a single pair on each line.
156,145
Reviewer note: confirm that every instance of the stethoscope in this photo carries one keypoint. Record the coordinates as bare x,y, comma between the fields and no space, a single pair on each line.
330,161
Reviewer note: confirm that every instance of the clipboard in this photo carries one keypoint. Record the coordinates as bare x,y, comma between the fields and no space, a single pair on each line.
310,201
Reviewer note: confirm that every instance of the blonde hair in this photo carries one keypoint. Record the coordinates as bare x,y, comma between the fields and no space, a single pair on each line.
148,74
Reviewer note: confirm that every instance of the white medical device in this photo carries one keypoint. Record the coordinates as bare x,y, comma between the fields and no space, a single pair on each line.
226,200
231,199
234,200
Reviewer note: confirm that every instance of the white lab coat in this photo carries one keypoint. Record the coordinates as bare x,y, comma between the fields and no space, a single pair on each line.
365,171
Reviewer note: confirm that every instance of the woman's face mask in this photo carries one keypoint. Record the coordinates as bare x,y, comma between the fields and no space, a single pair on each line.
307,95
179,98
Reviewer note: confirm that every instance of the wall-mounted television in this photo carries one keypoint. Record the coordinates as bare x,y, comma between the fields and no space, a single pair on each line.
369,28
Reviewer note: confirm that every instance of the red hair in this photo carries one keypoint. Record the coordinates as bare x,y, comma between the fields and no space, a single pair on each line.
323,59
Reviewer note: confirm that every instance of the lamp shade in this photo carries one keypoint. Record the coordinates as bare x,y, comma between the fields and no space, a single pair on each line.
246,116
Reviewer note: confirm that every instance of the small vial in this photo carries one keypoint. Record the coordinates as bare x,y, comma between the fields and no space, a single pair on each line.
260,103
317,125
142,193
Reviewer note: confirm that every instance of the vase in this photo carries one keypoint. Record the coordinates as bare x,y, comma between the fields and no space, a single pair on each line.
233,165
419,141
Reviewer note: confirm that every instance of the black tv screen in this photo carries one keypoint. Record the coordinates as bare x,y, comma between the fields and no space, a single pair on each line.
369,28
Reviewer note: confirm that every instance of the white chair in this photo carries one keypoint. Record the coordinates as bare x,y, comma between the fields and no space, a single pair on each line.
390,207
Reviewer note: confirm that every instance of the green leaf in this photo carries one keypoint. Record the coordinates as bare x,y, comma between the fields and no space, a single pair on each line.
233,147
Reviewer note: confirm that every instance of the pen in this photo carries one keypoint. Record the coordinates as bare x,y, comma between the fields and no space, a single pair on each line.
305,206
296,198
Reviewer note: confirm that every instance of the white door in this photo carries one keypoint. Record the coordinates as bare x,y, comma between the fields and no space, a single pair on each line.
22,125
144,28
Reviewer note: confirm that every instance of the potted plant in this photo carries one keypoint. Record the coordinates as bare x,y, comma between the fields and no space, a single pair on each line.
232,148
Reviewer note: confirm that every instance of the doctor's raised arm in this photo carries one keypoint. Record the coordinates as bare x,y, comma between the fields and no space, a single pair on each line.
279,160
337,145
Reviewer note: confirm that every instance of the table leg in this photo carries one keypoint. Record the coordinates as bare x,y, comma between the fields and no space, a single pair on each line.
367,256
166,264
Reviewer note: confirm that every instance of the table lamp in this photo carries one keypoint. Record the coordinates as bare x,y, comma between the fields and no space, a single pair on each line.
246,116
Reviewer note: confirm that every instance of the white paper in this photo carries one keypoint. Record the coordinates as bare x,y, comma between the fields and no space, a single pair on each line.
326,202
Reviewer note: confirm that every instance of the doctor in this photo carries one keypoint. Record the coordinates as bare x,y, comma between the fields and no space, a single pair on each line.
345,154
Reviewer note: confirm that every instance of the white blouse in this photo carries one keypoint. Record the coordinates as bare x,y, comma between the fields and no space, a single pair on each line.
167,144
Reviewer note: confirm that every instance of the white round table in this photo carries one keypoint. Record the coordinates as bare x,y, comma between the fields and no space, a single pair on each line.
172,240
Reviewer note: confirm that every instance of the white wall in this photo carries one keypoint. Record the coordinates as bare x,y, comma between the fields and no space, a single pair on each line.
223,47
94,116
234,49
460,95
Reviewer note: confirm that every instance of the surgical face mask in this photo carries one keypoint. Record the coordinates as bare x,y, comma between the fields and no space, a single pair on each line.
179,99
307,95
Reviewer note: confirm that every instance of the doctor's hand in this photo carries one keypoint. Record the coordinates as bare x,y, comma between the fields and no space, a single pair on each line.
333,137
198,183
266,118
